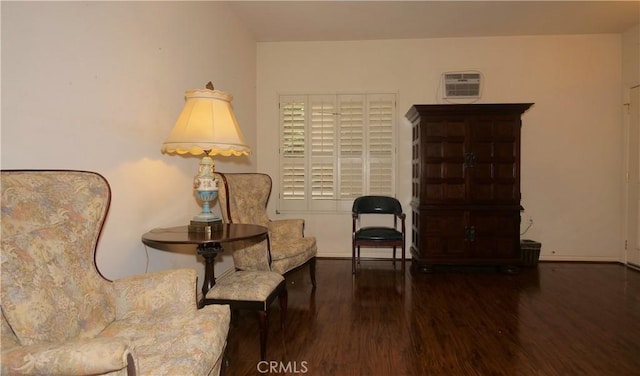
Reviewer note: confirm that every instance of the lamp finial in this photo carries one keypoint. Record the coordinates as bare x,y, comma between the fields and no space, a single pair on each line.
209,86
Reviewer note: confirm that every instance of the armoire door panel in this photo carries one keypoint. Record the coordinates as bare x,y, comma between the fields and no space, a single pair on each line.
446,192
445,127
444,233
434,150
453,150
505,151
496,233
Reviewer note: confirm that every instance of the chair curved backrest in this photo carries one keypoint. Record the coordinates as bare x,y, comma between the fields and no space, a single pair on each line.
376,204
243,197
51,222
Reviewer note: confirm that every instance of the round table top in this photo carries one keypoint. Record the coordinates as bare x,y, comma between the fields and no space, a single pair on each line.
181,234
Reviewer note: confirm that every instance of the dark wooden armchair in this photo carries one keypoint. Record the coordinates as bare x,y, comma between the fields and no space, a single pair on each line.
377,236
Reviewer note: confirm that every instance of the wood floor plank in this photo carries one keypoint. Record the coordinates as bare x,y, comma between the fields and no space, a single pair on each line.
556,319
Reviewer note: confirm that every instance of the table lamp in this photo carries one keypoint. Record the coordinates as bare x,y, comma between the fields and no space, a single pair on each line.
206,126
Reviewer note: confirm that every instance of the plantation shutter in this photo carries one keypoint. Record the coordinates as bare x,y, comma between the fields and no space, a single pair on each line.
322,147
335,148
293,150
381,111
352,125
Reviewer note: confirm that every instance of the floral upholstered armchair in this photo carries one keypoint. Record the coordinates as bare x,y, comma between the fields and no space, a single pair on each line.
243,198
60,316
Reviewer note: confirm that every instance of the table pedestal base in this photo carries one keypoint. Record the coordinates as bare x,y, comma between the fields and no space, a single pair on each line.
209,251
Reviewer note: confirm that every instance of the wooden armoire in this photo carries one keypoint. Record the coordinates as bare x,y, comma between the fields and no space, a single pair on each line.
466,185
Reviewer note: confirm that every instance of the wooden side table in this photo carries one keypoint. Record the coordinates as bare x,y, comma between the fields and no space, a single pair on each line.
208,244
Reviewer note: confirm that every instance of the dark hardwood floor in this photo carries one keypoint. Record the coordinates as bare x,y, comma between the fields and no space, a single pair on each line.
556,319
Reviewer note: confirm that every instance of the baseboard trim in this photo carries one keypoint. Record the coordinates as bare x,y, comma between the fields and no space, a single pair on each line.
363,258
577,260
633,266
580,258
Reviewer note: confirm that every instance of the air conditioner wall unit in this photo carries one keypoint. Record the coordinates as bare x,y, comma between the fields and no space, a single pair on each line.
466,84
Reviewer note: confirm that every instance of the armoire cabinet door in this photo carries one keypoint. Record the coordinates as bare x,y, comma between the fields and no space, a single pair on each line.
443,235
494,155
444,176
496,235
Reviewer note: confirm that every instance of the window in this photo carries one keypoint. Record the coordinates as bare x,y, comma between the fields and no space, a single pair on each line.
335,148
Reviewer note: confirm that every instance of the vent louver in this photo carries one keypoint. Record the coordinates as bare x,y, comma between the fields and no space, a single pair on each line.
462,84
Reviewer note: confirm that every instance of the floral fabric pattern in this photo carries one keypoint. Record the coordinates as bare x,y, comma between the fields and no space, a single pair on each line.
174,294
190,344
46,220
60,317
250,255
246,285
94,356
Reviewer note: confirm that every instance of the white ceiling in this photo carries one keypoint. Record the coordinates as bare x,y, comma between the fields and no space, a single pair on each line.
276,21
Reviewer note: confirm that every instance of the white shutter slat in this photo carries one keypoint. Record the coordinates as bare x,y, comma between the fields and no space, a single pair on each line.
322,146
351,178
322,179
293,165
381,141
352,145
293,179
293,126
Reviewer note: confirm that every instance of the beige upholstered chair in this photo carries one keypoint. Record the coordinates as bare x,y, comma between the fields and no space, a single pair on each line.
60,316
243,198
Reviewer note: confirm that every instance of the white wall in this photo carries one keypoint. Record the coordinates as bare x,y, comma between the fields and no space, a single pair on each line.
98,85
571,159
631,58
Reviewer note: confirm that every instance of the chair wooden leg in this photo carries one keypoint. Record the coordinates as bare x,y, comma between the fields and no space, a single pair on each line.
394,256
235,318
403,260
225,362
353,258
264,327
283,298
312,272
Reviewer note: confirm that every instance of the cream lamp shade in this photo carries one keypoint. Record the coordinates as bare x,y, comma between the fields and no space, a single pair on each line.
206,126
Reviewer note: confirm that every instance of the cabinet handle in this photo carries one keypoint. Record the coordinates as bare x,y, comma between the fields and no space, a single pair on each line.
469,159
470,233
